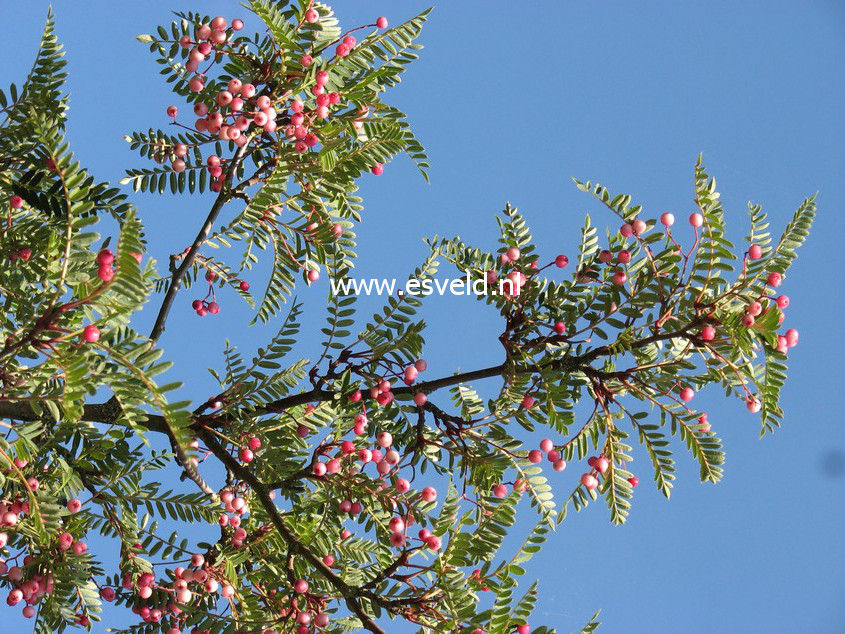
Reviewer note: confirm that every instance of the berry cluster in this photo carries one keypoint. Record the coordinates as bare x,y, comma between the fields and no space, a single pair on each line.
247,108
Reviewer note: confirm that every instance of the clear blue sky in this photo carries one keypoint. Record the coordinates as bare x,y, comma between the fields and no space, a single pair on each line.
513,99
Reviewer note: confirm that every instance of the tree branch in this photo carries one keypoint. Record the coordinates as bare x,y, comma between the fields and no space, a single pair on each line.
176,280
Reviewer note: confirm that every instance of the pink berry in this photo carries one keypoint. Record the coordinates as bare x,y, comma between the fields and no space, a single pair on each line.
559,327
433,542
667,219
782,301
589,481
623,257
381,22
420,399
306,60
246,455
237,24
527,401
378,169
196,84
546,445
513,254
626,230
753,405
561,261
74,505
601,464
696,220
535,456
755,252
639,226
311,16
16,202
500,490
774,279
791,337
633,481
619,278
559,465
708,333
428,494
686,394
91,334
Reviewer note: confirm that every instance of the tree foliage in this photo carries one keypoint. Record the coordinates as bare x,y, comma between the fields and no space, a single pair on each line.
340,492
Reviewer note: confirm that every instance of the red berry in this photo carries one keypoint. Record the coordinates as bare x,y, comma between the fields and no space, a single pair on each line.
15,202
381,22
755,252
91,334
105,273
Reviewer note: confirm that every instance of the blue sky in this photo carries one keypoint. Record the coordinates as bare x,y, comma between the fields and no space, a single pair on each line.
512,100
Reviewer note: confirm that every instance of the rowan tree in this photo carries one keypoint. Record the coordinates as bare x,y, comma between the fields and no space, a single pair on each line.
343,491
